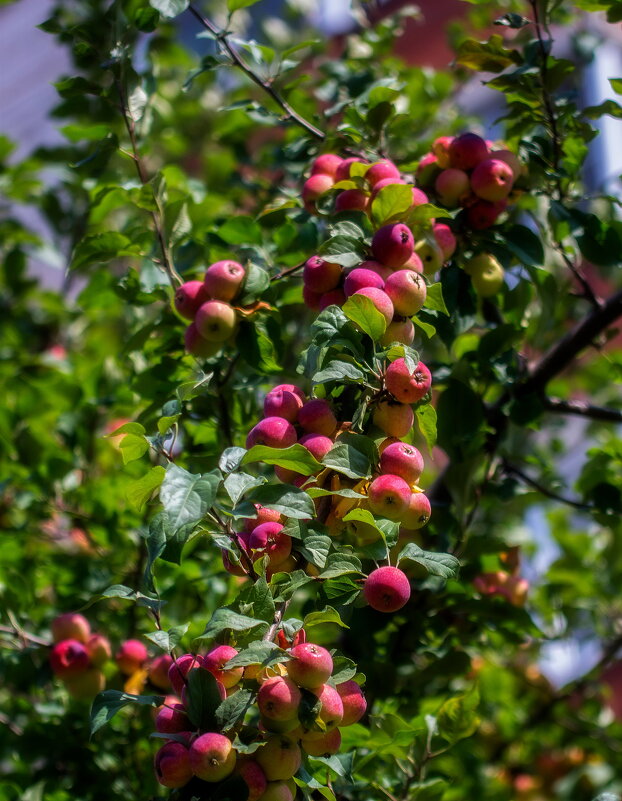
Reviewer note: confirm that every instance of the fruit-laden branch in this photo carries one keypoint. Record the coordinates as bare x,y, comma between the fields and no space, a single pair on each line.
278,617
157,215
222,38
583,409
548,493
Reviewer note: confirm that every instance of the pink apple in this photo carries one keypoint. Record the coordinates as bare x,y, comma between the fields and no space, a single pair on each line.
215,320
380,299
172,719
310,666
382,170
319,275
395,419
452,187
511,159
360,277
376,267
400,330
385,182
275,432
311,299
402,459
389,496
280,758
71,626
215,661
172,765
407,386
427,170
188,298
326,164
317,417
131,656
158,671
440,148
179,670
387,589
407,291
393,244
343,170
278,699
323,746
313,188
335,297
317,444
354,703
467,150
212,757
224,279
419,198
198,346
351,200
482,214
492,180
445,239
99,650
69,658
418,512
283,403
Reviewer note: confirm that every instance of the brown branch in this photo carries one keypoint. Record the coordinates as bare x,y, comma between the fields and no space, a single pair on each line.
569,346
548,493
278,618
222,38
583,409
288,271
157,215
19,633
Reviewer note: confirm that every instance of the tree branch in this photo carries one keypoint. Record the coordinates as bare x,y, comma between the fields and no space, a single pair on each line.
278,617
222,38
157,215
583,409
548,493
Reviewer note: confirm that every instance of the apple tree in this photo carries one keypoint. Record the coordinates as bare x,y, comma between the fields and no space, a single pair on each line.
310,465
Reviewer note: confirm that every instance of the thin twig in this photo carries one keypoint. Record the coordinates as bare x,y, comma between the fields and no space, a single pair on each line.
17,631
548,493
281,608
157,215
222,38
583,409
546,98
288,271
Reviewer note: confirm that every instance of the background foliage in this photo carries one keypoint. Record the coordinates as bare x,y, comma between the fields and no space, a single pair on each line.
175,159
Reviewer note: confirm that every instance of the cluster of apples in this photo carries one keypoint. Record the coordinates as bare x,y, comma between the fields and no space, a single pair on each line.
468,172
507,585
208,304
78,655
282,691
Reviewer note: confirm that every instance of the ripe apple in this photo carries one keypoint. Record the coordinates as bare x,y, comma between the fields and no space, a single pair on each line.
403,460
313,188
418,512
275,432
324,746
394,418
212,757
188,297
388,496
407,291
216,659
319,275
359,278
380,299
280,758
310,666
326,164
407,386
198,346
282,402
387,589
223,279
215,320
492,180
393,244
400,330
351,200
278,699
71,626
430,254
354,703
131,656
467,150
452,186
317,417
172,765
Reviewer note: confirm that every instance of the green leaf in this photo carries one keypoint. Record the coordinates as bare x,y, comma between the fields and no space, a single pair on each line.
231,459
224,619
524,244
202,698
187,497
237,484
232,710
434,298
457,717
490,56
425,213
101,248
437,564
290,501
361,310
339,564
425,416
261,653
257,600
133,447
139,491
432,790
296,457
327,615
240,230
343,250
168,640
235,5
353,455
170,8
609,107
315,548
339,370
107,703
391,202
256,282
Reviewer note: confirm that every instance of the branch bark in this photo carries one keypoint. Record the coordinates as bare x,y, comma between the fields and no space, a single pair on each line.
583,409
